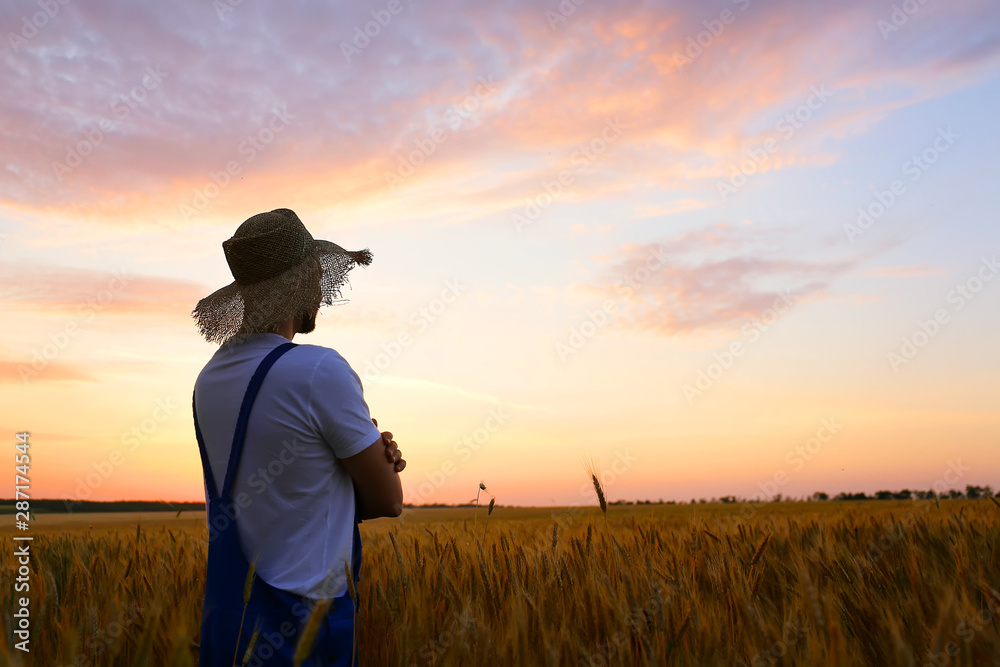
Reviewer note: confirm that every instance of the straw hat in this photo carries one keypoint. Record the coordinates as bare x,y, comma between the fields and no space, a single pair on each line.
281,271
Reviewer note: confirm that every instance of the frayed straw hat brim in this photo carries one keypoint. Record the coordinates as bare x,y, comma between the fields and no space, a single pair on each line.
237,310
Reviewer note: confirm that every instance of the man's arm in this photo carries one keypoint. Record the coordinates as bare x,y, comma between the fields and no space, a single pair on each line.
376,483
346,424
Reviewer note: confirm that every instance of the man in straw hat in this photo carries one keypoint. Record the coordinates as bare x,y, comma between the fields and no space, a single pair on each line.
291,457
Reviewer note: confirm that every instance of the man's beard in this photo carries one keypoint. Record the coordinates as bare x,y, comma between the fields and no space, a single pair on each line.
308,323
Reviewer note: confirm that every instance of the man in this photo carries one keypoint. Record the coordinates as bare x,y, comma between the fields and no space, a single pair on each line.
291,456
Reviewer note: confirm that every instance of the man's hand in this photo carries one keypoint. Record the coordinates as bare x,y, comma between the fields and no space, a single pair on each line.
392,450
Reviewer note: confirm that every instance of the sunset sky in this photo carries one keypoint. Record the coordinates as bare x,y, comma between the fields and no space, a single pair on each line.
717,247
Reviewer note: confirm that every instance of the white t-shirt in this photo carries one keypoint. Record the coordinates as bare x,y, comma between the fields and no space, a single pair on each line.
293,499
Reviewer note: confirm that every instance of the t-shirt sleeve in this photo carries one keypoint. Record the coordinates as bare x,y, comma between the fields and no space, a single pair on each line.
338,407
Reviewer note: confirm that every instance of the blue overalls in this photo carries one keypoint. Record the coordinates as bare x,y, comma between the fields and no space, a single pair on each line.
280,614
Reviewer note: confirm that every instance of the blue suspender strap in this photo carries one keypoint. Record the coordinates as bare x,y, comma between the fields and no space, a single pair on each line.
209,478
241,422
248,399
237,447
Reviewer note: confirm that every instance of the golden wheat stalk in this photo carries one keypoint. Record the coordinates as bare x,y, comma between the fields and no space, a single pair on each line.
489,511
247,587
354,599
253,642
753,561
760,550
475,517
594,474
399,559
308,637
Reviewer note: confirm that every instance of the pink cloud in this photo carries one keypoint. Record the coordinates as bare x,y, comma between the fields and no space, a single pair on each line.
348,122
714,279
87,293
905,271
12,372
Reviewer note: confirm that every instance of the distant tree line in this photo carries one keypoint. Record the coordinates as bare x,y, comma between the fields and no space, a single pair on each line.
971,492
56,506
46,506
68,506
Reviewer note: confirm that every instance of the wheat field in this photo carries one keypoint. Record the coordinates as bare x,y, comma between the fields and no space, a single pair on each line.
828,583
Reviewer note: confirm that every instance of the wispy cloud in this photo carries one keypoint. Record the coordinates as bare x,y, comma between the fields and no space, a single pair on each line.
429,385
913,271
350,123
715,279
45,436
679,206
53,371
37,288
